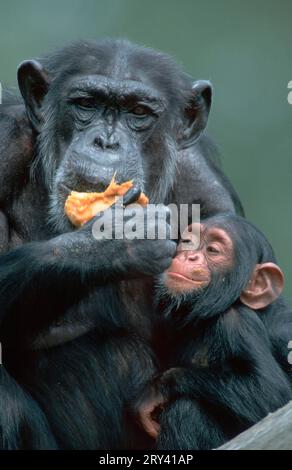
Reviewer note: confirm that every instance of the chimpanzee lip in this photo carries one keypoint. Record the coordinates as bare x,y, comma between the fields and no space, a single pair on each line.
97,188
185,278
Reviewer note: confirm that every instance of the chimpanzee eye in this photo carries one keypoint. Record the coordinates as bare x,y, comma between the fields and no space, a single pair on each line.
213,249
140,110
86,103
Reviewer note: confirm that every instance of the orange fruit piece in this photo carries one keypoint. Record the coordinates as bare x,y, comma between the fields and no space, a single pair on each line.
82,207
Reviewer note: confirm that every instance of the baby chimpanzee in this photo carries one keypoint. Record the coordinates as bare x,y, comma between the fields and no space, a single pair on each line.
225,331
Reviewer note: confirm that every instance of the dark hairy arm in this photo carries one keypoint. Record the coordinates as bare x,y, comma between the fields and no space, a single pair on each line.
57,266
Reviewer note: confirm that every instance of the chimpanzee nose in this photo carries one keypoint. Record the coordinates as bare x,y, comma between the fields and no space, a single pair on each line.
192,255
106,143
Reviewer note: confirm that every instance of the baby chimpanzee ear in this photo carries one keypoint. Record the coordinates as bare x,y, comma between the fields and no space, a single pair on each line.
265,286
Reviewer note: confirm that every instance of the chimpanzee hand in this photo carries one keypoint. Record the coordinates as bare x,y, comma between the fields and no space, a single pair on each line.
148,412
153,400
116,240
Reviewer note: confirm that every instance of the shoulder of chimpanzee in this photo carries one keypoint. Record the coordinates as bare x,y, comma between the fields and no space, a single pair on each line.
240,333
16,131
16,147
278,322
212,155
200,180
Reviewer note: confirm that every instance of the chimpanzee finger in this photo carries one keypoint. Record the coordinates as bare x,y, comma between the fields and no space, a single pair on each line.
131,195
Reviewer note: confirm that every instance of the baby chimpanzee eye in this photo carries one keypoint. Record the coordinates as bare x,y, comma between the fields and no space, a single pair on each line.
213,249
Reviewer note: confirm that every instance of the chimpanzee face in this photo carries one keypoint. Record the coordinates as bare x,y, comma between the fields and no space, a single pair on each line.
220,263
106,108
203,251
104,125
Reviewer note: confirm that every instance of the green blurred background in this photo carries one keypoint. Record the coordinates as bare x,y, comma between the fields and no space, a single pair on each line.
244,48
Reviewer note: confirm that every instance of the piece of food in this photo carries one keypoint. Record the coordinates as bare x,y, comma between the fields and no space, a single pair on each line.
82,207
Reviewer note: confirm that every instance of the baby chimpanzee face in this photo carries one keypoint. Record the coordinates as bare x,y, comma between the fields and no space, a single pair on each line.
220,262
203,251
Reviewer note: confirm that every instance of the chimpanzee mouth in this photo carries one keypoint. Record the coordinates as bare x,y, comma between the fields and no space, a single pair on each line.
185,278
96,188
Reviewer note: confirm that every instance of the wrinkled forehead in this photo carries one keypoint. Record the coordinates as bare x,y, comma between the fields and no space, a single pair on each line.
92,83
125,66
121,67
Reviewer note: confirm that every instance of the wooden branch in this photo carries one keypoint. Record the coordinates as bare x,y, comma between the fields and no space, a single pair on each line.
272,433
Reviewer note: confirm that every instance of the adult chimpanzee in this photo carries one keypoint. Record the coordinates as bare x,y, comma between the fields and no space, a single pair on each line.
227,330
72,346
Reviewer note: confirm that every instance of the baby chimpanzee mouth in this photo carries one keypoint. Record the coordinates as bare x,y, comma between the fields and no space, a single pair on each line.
185,278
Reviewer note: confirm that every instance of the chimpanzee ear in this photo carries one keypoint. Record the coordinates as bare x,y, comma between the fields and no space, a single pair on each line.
33,81
265,286
196,113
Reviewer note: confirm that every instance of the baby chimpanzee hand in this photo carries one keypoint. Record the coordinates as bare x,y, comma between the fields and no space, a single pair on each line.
154,400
